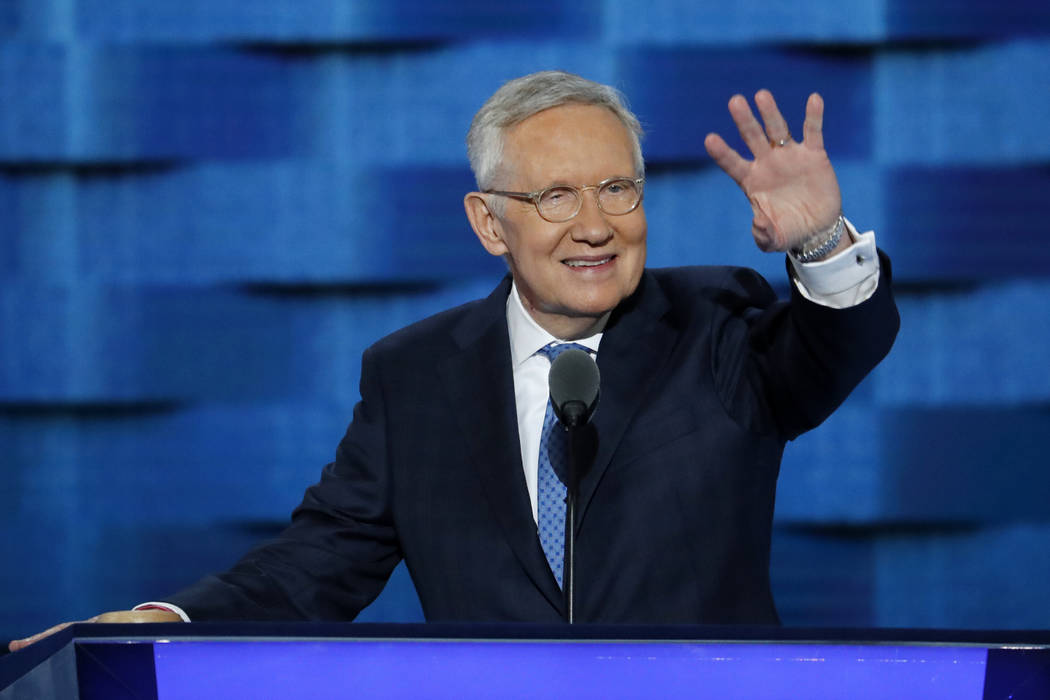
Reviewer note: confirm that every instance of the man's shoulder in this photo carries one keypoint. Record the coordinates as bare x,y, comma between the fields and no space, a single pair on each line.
428,333
434,334
719,284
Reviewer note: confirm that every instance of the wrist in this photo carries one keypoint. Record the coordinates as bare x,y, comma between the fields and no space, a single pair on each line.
819,245
158,605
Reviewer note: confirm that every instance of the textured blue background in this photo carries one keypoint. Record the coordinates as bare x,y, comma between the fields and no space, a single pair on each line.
209,208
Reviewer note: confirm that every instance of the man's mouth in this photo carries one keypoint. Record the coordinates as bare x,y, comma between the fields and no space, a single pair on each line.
589,262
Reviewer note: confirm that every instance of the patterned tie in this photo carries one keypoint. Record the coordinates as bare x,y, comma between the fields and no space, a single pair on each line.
553,463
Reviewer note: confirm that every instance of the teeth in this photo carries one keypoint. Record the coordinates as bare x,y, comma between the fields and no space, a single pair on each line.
587,263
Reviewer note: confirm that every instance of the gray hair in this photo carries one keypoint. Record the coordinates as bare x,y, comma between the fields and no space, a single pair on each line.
523,97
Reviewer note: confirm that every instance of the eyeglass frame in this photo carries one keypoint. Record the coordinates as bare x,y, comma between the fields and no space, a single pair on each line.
535,196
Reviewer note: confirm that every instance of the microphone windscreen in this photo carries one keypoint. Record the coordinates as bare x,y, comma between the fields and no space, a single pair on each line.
574,377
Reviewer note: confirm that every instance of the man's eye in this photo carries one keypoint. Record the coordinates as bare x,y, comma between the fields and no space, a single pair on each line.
556,196
620,188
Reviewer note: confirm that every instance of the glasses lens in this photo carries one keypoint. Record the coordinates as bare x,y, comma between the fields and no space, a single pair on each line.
619,196
559,203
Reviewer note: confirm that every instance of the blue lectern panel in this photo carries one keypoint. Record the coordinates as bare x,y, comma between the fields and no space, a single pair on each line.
529,669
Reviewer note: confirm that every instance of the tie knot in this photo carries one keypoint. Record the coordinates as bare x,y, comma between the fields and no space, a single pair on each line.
554,349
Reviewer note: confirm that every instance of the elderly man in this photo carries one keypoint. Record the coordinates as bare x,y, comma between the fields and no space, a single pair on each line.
704,377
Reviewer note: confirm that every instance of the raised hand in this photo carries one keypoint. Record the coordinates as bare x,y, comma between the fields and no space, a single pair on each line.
792,187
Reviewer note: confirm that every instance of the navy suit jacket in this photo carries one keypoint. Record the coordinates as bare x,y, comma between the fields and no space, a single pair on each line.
704,376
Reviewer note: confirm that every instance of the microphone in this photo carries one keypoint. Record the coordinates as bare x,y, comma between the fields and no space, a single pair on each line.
573,381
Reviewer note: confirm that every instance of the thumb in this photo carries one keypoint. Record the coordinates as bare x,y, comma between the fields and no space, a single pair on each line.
762,230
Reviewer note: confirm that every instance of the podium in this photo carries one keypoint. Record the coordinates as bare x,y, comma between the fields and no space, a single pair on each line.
173,661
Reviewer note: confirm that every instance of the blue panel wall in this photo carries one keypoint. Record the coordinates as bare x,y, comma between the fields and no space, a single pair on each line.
209,208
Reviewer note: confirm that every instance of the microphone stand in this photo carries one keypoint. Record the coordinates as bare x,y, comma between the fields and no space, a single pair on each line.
574,382
574,411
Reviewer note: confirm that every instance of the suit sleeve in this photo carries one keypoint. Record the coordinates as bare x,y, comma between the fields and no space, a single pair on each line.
340,548
784,367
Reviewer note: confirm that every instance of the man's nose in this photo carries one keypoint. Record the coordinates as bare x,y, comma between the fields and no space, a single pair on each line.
591,225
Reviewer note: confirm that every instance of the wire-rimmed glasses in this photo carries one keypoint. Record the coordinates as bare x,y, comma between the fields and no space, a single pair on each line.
559,203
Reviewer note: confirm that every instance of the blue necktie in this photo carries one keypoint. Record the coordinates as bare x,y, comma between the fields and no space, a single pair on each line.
553,463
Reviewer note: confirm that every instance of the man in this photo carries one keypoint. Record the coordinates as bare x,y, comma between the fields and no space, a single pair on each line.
704,377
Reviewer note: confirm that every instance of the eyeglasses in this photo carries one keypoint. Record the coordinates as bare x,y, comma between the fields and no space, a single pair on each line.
616,196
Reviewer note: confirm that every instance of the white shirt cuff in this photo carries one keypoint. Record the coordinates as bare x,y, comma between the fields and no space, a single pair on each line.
845,279
164,606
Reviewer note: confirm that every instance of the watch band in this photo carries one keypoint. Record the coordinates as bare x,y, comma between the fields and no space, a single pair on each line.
816,247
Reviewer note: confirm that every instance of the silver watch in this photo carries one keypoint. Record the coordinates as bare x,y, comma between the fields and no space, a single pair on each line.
816,247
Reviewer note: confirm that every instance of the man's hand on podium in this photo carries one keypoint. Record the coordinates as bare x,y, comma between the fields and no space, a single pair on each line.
151,615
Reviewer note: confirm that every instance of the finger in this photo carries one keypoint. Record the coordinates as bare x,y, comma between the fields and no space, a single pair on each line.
813,128
750,130
19,644
776,127
726,158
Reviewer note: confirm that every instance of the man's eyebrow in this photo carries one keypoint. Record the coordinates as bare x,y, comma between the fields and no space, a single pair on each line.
562,181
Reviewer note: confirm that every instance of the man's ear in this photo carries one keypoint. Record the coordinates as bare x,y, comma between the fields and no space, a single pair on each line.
487,227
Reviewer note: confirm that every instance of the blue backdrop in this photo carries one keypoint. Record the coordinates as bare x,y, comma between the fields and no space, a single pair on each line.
209,208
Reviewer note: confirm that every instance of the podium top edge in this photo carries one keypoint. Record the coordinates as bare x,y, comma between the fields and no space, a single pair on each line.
721,634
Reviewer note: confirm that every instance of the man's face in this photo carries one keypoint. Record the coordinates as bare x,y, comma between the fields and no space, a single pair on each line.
569,274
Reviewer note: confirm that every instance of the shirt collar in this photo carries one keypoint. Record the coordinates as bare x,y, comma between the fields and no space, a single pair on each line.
527,337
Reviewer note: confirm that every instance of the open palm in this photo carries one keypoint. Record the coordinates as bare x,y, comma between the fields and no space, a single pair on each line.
792,187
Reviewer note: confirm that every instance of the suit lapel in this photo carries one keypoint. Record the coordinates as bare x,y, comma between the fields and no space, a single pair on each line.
634,348
480,382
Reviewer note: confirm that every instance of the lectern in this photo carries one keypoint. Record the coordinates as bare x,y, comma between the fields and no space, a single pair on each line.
317,661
